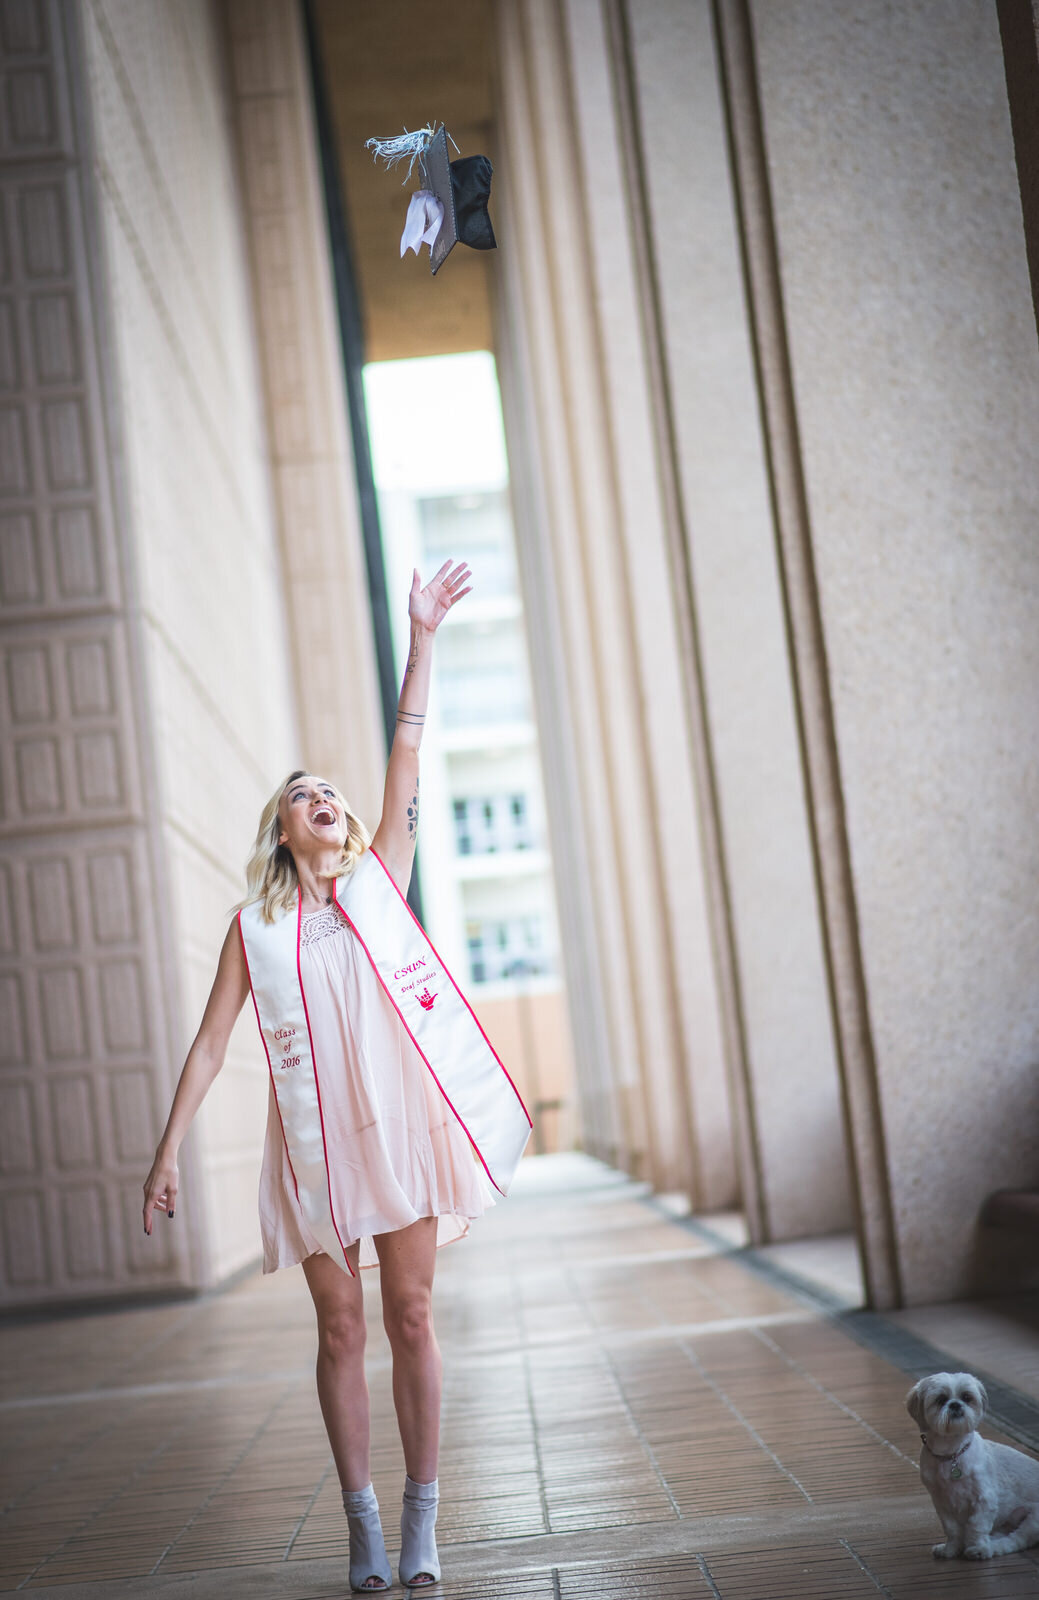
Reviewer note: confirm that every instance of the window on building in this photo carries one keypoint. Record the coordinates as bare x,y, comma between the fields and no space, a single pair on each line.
474,528
471,698
489,824
482,671
508,947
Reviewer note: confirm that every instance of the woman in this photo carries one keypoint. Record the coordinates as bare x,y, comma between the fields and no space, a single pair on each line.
382,1088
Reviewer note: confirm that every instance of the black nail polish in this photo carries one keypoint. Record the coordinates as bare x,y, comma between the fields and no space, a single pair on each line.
170,1214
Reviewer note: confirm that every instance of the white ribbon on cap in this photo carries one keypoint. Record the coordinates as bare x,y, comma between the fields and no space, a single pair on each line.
425,215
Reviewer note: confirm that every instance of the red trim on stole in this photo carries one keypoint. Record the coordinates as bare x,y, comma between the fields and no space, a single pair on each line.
418,1047
407,1030
317,1085
457,990
263,1041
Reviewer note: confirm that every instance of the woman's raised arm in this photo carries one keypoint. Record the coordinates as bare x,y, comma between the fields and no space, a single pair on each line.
397,832
204,1060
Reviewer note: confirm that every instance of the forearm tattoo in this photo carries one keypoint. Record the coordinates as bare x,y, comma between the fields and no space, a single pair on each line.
413,815
412,658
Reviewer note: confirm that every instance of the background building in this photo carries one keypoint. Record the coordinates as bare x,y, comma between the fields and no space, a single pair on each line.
488,904
766,333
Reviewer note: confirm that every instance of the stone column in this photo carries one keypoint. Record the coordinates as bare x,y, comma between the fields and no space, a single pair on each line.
155,595
901,412
562,661
735,659
681,811
199,565
123,763
620,683
297,328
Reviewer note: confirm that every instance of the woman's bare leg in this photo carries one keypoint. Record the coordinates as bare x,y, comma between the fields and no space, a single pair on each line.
341,1387
407,1259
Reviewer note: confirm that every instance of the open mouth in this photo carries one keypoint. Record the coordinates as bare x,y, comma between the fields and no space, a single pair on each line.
324,817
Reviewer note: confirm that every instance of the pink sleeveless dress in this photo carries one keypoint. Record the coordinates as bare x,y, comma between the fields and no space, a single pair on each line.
396,1150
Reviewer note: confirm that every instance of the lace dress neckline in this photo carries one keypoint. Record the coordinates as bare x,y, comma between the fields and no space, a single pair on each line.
321,924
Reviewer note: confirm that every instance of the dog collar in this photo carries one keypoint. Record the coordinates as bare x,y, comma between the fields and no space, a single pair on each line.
957,1472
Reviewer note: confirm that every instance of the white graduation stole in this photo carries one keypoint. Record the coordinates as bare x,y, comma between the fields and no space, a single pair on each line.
432,1010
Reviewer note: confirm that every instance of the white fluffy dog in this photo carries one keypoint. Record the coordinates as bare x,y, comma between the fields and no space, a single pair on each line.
987,1495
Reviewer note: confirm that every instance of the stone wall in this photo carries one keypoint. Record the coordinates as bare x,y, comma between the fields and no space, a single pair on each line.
592,549
770,355
197,501
88,1024
915,372
790,1092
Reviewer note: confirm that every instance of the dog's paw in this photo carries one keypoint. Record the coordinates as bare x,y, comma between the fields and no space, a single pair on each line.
943,1552
981,1550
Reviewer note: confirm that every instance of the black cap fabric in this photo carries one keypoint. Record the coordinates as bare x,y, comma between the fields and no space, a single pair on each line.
471,184
463,187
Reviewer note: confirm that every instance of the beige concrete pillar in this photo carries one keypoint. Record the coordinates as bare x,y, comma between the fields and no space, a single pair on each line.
604,1130
680,210
678,763
578,793
147,574
148,707
85,1032
200,564
622,689
318,516
888,274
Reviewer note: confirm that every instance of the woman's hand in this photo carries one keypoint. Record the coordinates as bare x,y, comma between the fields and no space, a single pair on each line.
395,836
204,1060
160,1188
428,607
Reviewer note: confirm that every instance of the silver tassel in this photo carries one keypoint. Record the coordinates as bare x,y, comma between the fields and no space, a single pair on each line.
409,147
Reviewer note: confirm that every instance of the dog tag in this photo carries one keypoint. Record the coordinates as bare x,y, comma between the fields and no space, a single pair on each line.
956,1473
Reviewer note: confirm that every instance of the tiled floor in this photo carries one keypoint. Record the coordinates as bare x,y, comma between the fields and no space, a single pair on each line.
628,1412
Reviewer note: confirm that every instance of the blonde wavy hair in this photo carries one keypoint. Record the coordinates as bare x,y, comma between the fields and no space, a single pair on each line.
270,872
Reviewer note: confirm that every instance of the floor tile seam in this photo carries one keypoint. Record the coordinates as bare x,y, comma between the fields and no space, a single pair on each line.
309,1506
58,1466
632,1420
818,1520
727,1399
860,1561
822,1523
783,1277
708,1576
176,1328
155,1391
111,1499
791,1540
1010,1409
603,1339
828,1394
644,1258
519,1315
257,1434
629,1338
743,1420
707,1291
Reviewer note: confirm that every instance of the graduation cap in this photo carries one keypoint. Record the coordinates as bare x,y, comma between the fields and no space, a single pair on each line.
451,206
